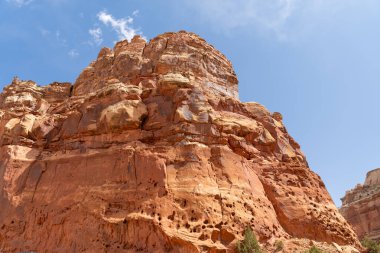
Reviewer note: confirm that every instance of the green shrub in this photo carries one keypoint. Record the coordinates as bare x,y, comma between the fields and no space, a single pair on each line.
371,245
249,244
314,250
279,246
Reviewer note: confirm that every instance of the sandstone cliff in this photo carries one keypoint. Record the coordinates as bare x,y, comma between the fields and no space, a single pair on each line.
361,206
152,151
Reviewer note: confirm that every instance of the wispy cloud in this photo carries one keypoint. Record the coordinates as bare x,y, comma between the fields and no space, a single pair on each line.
58,36
20,3
54,37
96,36
123,26
232,14
73,53
44,32
284,18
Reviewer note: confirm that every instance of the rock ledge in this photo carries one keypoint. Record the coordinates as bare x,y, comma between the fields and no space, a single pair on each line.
151,151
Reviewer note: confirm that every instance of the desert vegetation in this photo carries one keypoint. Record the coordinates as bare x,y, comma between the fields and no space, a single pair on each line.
371,245
249,244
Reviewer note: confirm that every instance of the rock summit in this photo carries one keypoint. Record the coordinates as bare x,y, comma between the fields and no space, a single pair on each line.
150,150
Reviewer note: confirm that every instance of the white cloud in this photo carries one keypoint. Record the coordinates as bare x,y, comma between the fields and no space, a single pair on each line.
123,26
97,36
135,13
73,53
20,3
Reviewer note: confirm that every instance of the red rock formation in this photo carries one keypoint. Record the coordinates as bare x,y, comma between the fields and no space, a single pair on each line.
361,207
151,150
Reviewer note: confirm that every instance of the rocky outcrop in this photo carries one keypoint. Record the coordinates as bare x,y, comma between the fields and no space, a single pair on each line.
152,151
361,206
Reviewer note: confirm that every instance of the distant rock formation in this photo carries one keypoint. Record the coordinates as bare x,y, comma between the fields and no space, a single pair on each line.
152,151
361,206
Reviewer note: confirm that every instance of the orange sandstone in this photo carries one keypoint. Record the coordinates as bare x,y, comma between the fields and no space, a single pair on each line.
361,207
152,151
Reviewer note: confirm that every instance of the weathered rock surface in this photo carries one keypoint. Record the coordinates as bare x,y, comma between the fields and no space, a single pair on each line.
151,151
361,206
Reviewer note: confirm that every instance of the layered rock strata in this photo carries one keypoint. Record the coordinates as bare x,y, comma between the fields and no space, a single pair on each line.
152,151
361,207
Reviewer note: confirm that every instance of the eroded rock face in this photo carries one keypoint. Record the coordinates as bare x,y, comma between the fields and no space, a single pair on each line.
151,150
361,206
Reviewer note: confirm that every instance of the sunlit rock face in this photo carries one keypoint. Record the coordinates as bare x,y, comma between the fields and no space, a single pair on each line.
152,151
361,206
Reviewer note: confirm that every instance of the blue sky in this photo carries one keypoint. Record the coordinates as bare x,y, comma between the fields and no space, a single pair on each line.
317,61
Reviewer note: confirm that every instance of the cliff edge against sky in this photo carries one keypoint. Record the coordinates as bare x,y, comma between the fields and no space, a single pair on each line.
361,206
152,151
